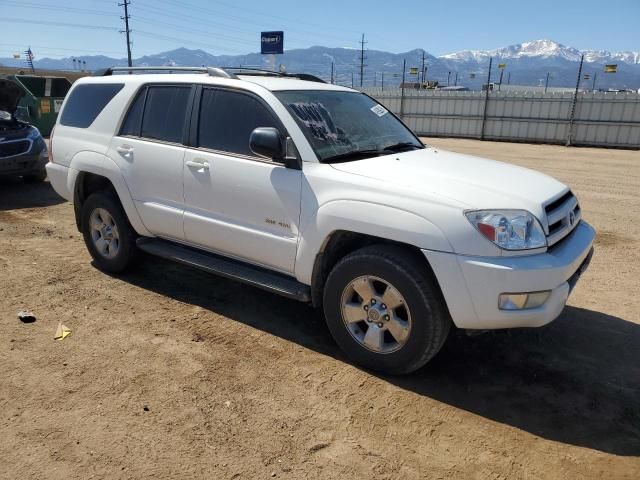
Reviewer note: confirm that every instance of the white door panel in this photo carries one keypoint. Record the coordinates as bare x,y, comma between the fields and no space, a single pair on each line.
154,176
242,207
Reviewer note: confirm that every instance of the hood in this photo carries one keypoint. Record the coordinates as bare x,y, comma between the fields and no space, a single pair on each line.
475,182
10,95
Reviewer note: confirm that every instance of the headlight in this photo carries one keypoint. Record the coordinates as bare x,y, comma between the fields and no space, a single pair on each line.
509,229
34,133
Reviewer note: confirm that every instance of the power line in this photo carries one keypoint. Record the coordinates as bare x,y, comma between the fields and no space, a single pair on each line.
191,30
250,35
61,49
57,24
238,19
58,8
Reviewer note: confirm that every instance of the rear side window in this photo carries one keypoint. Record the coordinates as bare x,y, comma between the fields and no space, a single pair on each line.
86,102
164,113
228,118
132,123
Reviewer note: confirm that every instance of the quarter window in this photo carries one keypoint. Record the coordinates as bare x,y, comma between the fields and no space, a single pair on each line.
228,118
131,125
164,113
86,102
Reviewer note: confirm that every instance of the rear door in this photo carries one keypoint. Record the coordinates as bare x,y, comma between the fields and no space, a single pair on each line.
236,202
150,152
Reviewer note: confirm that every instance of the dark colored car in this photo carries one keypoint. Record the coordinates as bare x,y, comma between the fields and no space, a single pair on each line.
23,151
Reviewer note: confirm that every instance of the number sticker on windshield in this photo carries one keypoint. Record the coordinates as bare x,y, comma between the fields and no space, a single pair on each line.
379,110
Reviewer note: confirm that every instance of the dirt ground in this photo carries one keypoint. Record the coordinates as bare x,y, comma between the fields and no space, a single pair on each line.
172,373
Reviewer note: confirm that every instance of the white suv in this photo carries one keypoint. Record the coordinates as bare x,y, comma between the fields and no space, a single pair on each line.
319,193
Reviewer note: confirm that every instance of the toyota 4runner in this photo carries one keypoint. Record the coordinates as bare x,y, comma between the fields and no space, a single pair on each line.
319,193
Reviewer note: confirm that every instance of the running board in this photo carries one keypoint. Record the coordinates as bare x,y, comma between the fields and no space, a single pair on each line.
226,267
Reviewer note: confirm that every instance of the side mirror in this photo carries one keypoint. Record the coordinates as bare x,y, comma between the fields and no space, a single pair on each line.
267,142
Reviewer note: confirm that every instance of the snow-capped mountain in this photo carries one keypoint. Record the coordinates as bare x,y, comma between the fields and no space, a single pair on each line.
543,49
527,63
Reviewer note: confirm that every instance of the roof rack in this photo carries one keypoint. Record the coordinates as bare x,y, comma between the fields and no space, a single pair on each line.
212,71
272,73
222,72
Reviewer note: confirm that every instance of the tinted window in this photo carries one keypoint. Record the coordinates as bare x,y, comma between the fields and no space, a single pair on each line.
86,102
228,118
131,125
164,113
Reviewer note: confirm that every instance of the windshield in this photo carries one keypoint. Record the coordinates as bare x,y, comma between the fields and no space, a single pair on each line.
343,125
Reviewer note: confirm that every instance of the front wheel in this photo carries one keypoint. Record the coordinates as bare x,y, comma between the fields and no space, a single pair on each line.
107,233
385,310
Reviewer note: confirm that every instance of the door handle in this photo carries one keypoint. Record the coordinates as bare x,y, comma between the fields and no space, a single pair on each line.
124,149
197,164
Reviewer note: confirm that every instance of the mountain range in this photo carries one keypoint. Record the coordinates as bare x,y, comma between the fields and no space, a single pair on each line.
525,64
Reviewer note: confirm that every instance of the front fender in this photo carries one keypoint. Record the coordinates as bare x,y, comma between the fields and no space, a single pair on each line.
98,164
366,218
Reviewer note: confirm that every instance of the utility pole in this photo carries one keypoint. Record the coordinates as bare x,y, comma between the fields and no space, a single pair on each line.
455,83
352,79
127,30
486,100
382,83
362,59
573,104
29,55
448,78
332,73
595,75
404,67
546,83
508,78
422,71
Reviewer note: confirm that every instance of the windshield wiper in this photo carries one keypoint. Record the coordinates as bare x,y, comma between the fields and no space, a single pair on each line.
354,154
401,146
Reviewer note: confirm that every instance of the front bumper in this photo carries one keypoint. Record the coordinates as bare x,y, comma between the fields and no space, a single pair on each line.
30,162
471,285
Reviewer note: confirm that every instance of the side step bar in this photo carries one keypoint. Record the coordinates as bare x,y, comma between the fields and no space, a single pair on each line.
258,277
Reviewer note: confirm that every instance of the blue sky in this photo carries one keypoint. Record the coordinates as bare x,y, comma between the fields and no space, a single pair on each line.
232,27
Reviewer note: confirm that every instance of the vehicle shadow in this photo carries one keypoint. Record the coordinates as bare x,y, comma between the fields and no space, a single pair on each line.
575,381
16,194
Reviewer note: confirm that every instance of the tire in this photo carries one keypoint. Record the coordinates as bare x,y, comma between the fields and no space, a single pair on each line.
420,324
104,207
37,177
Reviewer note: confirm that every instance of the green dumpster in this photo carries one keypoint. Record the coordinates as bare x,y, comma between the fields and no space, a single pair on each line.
42,100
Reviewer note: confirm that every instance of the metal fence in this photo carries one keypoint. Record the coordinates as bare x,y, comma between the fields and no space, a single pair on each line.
601,119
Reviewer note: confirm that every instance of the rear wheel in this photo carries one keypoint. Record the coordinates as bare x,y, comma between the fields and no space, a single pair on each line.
385,310
107,233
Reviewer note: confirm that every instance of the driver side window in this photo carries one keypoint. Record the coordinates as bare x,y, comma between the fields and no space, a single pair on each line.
227,118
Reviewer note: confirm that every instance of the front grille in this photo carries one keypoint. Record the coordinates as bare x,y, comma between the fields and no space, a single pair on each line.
563,214
10,149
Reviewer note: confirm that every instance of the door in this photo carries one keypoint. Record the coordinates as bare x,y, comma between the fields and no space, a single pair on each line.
237,203
150,153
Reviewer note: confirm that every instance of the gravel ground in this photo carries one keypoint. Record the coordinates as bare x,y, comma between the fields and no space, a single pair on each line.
172,373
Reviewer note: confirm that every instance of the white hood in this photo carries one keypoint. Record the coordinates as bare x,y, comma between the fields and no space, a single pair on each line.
476,182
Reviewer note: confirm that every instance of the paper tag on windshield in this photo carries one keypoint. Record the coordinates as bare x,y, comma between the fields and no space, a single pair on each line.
379,110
